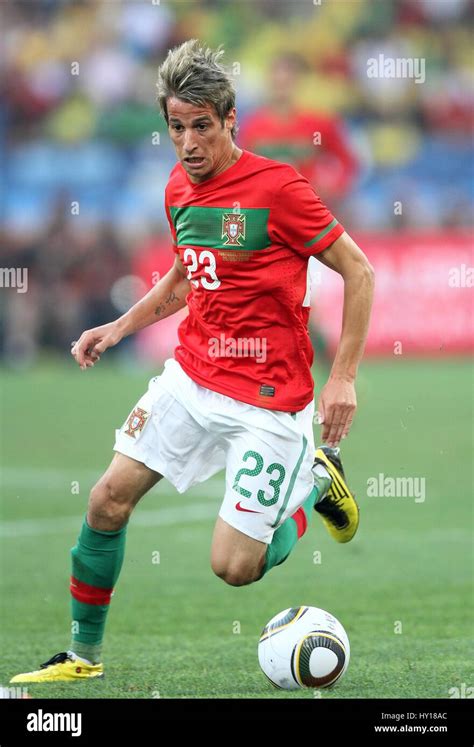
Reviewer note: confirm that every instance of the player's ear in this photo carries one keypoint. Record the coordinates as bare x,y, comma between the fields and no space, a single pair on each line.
230,119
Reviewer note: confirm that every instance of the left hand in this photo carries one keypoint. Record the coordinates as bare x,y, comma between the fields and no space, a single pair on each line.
336,406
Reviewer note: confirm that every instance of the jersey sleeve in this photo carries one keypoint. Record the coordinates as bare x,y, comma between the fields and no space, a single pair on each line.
171,224
299,220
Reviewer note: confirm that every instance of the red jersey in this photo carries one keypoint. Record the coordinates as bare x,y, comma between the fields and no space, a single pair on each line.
246,236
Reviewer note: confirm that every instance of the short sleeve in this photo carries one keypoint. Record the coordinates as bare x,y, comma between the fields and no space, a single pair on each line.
171,225
299,220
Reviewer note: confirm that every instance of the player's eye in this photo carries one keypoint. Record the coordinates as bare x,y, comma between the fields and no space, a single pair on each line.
202,126
177,127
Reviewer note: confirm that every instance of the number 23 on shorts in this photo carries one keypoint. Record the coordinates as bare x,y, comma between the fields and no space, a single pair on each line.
276,472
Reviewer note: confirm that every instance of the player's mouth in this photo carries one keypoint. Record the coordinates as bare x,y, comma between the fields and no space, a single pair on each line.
194,162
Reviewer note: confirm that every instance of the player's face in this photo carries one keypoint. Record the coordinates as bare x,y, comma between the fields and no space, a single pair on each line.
203,145
283,82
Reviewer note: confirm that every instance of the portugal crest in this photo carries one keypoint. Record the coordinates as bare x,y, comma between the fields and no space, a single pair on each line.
136,421
233,228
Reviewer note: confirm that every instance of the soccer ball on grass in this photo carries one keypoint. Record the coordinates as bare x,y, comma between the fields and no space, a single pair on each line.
303,647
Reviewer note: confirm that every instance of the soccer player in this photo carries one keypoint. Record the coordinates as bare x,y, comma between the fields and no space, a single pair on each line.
238,393
314,143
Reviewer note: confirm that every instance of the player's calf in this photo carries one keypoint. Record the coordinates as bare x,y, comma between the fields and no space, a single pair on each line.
115,495
97,559
236,558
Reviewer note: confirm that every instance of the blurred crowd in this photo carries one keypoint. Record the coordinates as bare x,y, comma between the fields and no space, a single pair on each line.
86,156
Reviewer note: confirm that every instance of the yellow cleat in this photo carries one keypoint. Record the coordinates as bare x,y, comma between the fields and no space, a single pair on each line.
63,667
337,508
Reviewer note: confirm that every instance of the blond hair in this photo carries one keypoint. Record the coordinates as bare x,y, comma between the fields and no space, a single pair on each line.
193,73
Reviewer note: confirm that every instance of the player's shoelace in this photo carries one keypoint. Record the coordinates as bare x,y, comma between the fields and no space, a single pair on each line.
57,659
334,458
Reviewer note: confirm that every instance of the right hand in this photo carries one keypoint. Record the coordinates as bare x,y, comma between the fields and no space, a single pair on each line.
93,342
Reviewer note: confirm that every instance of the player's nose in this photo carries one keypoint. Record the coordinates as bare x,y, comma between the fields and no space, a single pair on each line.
189,143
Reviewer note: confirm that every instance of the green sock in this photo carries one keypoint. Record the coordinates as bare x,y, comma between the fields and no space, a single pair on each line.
96,563
288,533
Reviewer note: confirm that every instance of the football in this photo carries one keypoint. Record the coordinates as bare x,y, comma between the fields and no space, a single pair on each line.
303,647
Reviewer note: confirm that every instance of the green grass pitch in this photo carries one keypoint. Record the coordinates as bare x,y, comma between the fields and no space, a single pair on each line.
402,588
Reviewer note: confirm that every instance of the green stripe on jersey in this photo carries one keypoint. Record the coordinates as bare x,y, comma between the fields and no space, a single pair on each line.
322,234
222,228
286,151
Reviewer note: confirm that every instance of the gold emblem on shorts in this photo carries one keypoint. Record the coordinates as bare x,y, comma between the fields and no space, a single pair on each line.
136,421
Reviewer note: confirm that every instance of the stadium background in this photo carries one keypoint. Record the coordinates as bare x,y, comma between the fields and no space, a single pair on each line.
85,159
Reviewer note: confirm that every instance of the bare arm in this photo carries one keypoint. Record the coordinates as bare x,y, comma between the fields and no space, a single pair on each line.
337,402
167,297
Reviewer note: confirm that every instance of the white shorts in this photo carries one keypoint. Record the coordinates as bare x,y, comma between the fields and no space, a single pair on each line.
187,433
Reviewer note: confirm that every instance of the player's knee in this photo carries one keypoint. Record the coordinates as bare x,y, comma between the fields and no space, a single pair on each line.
234,576
107,507
235,573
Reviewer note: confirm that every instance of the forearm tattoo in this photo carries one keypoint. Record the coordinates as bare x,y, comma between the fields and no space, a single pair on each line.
161,308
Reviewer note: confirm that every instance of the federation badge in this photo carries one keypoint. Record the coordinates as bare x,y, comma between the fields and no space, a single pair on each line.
136,422
233,228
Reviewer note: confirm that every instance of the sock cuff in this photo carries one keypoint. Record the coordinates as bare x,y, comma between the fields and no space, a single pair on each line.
99,539
89,651
105,532
299,517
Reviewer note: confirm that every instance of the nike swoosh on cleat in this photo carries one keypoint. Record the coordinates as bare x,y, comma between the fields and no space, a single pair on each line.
248,510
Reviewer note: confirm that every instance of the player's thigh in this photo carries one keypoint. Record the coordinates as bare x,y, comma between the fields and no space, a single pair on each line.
236,557
163,433
119,489
268,471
